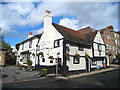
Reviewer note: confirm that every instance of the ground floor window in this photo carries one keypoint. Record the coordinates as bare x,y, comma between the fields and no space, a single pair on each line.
76,60
51,61
94,62
43,59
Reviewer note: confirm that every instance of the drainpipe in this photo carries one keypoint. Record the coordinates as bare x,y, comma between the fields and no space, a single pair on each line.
89,64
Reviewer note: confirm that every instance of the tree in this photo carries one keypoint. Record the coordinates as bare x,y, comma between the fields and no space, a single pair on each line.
4,44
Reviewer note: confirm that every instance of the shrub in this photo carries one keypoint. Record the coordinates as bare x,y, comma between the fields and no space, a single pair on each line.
29,62
43,73
87,56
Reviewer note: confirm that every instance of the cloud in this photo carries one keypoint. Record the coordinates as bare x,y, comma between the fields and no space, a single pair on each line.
97,15
34,32
70,23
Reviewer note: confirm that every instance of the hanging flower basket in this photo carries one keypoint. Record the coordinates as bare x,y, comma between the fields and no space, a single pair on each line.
18,55
51,57
67,55
87,56
41,53
24,52
33,54
77,55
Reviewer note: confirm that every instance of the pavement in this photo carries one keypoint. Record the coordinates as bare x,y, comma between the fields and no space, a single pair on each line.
14,75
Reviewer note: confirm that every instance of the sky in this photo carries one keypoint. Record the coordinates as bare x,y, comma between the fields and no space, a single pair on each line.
18,18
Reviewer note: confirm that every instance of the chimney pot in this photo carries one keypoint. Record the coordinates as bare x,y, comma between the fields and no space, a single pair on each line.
30,33
47,11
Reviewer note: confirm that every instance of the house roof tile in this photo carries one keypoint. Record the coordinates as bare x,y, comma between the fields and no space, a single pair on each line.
70,34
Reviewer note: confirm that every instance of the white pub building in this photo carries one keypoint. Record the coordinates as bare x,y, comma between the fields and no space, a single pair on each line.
70,50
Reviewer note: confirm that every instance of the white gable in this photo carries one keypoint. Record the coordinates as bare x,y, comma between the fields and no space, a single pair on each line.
98,38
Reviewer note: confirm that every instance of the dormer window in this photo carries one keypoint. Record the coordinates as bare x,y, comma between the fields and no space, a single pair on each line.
30,44
56,43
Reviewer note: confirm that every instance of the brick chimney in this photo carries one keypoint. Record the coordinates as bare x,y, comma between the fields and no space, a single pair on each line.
30,35
47,20
110,27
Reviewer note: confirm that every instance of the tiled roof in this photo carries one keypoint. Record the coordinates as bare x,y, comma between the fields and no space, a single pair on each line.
38,36
85,30
70,34
90,36
118,32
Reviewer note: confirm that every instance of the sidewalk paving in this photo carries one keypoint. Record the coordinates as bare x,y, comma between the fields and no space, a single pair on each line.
86,74
16,76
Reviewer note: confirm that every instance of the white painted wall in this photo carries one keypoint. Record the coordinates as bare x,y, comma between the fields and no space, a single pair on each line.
98,39
80,66
82,62
26,48
47,42
89,52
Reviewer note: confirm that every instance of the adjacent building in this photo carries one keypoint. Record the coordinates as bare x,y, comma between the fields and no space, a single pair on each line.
109,42
27,49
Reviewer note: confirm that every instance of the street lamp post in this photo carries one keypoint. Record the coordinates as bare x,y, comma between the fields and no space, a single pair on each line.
57,63
37,49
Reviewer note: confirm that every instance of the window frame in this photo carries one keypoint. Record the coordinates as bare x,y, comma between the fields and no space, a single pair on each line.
43,59
58,43
109,47
51,61
94,62
74,59
30,44
80,48
99,49
108,36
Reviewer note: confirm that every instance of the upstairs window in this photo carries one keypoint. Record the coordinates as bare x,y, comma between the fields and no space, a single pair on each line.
30,44
118,35
115,42
80,48
108,46
56,43
108,36
99,47
23,47
113,48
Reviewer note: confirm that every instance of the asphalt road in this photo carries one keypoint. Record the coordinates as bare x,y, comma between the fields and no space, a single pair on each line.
103,80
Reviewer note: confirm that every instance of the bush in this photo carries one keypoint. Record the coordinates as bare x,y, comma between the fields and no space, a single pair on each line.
43,73
29,62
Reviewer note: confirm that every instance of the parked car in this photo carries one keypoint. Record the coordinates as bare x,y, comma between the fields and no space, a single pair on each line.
116,61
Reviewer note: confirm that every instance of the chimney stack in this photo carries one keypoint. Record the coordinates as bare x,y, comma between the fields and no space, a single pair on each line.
30,35
47,11
47,21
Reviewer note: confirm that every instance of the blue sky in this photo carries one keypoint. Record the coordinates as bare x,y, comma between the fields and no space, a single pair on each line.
20,18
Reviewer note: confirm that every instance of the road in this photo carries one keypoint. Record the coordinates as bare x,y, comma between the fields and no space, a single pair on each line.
103,80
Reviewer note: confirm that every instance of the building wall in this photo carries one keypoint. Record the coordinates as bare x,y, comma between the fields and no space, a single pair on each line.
3,58
26,48
98,40
82,60
80,66
110,52
47,45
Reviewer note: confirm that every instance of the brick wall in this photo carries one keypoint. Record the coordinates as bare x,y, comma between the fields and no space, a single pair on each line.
110,52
